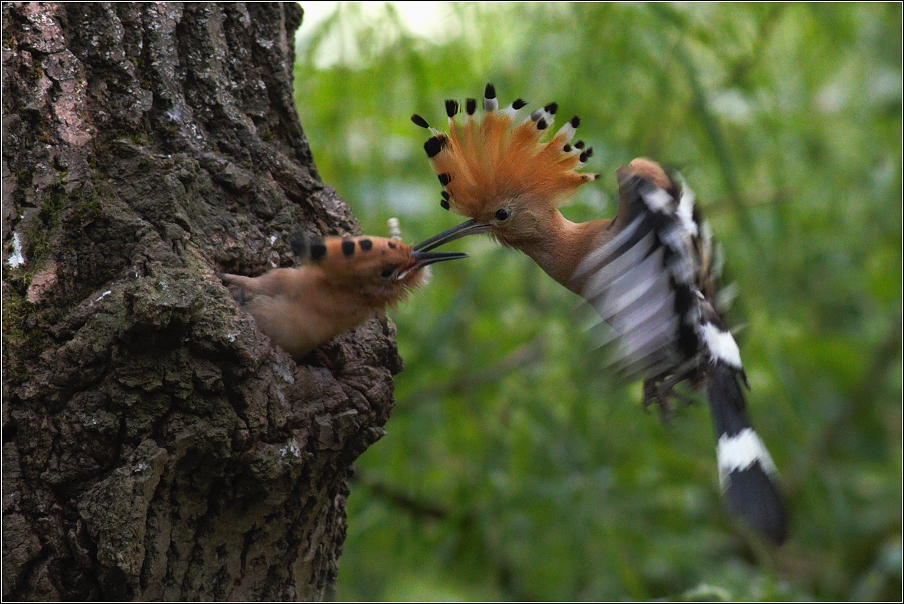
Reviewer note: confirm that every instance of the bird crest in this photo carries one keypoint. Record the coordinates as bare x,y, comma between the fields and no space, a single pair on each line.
483,162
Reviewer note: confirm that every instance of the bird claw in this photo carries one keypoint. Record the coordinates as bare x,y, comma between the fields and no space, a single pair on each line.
660,392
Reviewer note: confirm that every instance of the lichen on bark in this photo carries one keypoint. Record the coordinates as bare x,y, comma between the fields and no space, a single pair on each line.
156,446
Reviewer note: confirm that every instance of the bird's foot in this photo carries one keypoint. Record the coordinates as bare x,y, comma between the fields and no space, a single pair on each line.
660,392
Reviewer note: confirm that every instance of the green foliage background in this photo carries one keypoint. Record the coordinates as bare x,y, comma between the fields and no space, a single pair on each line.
514,467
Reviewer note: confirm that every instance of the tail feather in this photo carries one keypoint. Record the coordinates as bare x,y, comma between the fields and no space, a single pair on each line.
746,471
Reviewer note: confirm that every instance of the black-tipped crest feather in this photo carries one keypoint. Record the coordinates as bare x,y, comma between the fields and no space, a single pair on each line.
419,121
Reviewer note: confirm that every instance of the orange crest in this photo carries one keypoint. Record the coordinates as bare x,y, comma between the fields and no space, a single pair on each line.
484,161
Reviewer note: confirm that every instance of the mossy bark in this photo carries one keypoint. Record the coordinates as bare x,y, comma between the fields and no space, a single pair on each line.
155,444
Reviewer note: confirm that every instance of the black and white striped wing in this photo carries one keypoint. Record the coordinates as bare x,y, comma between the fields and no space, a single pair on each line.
642,283
653,283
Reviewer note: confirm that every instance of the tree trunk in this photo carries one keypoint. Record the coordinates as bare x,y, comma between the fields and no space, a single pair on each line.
155,444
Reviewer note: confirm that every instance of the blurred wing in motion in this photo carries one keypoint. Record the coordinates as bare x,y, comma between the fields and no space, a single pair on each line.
645,282
654,283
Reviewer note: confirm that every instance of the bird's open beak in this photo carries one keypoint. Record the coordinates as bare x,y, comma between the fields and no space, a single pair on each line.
468,227
422,259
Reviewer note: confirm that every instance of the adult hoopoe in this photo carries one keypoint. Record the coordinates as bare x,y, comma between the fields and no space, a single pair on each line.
649,272
344,282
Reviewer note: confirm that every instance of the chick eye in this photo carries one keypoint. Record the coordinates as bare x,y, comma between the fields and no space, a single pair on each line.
502,214
387,273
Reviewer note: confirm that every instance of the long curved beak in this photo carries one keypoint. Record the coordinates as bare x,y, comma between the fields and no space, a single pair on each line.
425,258
422,259
468,227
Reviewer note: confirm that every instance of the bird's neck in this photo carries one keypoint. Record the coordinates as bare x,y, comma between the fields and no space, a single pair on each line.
561,245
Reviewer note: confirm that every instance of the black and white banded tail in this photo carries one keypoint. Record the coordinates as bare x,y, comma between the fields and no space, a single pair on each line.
746,472
655,284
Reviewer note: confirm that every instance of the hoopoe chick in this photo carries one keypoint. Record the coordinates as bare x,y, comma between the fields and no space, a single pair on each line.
344,282
650,272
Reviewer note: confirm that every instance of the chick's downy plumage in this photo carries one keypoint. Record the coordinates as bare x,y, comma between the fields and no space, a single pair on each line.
344,282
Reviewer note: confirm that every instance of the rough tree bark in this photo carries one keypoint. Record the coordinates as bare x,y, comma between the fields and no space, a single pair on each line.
155,445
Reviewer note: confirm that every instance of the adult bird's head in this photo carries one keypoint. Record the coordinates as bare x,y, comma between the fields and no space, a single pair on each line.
499,173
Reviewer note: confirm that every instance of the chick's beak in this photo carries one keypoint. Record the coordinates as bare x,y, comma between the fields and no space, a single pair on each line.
468,227
422,259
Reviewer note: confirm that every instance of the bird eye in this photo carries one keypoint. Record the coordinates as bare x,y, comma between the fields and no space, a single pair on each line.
387,273
502,214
